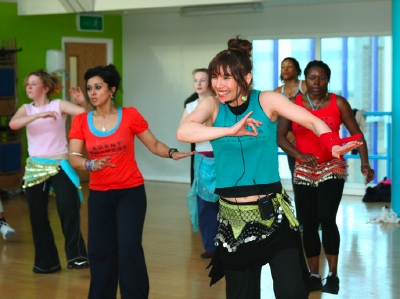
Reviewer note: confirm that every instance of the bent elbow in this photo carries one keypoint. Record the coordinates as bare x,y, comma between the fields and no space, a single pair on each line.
180,136
13,126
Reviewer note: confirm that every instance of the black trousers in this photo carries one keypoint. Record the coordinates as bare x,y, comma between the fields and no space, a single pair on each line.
320,205
286,273
116,219
68,208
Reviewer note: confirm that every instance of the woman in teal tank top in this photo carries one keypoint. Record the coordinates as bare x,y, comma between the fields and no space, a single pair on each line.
257,223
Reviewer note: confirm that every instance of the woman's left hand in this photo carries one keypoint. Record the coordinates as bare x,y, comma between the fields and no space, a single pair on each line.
77,95
338,150
368,172
179,155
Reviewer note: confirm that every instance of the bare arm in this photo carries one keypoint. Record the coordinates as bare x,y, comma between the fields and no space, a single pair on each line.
20,119
351,124
158,148
288,147
275,105
67,107
192,129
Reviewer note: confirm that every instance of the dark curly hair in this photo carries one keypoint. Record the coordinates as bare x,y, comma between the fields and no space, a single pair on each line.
108,73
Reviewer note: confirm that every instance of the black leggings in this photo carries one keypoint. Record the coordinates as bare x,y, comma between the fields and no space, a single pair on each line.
319,205
286,273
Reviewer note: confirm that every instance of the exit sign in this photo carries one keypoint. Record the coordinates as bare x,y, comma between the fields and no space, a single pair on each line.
90,23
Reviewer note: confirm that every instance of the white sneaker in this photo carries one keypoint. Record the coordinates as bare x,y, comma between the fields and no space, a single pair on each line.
6,230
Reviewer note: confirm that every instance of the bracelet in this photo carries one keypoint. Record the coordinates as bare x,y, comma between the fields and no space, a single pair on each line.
90,165
75,154
171,151
365,164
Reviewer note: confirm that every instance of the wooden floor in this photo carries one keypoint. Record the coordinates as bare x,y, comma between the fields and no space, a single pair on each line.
369,262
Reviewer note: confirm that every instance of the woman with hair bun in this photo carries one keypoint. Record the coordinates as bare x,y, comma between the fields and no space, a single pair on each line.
47,168
257,223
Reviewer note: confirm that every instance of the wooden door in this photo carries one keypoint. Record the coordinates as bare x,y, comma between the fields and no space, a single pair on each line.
79,58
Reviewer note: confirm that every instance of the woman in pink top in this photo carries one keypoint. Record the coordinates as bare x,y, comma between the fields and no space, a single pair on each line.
48,168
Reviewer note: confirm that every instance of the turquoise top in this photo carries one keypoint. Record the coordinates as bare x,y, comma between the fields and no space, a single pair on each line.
246,160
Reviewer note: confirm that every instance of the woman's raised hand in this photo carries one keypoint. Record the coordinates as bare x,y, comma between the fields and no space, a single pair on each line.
77,95
239,129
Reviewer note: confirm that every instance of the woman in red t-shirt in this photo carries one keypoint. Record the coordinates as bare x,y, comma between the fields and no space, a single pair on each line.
117,198
319,177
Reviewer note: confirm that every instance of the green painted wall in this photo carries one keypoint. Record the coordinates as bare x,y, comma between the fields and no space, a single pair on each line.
37,34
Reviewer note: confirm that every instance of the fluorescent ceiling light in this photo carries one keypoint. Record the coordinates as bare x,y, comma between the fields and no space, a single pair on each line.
221,9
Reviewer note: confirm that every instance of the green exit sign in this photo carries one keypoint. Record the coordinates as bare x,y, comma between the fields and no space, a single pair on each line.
90,23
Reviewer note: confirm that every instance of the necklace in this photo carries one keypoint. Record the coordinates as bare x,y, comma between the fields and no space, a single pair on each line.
311,104
103,128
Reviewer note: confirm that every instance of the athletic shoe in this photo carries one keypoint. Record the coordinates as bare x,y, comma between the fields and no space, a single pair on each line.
6,230
314,283
332,284
46,271
80,263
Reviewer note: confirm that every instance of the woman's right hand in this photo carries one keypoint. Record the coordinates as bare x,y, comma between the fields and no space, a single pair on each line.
47,114
309,160
239,129
102,163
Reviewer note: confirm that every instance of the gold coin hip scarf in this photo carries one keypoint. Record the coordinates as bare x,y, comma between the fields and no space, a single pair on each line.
38,170
307,175
242,223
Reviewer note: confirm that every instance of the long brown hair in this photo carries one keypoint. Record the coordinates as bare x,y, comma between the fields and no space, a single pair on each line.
235,62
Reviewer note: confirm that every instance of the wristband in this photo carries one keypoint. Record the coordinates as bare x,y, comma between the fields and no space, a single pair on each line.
171,151
330,139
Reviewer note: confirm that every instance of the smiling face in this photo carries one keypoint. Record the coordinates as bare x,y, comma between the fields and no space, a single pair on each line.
34,88
98,91
227,88
200,80
317,81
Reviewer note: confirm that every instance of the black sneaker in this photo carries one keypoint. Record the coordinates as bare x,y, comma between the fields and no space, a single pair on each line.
332,284
314,283
46,271
80,263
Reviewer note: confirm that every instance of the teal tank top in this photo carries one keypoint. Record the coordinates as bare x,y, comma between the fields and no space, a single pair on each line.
246,161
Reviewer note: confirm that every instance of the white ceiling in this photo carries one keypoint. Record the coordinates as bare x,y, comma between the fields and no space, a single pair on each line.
145,6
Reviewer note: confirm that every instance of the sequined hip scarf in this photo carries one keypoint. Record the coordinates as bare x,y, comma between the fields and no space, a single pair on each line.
307,175
241,222
38,170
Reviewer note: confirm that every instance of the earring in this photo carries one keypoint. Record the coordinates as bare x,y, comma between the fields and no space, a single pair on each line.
244,99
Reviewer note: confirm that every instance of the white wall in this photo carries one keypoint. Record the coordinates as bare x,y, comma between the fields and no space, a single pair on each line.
161,50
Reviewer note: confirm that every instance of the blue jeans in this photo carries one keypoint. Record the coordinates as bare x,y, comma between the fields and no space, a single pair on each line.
208,222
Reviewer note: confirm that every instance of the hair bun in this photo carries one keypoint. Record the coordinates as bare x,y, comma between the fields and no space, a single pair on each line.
242,45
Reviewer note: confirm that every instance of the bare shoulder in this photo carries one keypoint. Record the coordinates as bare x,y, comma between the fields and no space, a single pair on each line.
278,89
267,96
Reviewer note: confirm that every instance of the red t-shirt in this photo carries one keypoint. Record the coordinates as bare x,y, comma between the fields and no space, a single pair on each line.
306,141
119,143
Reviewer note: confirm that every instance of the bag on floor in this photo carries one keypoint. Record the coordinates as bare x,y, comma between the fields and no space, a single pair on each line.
382,192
